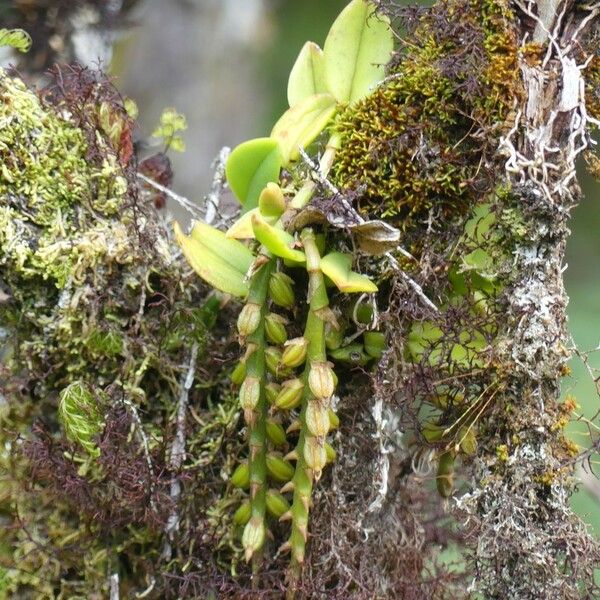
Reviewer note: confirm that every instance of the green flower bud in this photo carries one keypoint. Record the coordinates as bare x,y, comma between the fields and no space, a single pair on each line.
79,413
333,337
243,513
249,319
279,469
239,373
334,420
250,393
445,474
281,290
277,505
275,329
241,476
273,360
294,352
320,379
272,390
315,455
374,343
276,433
253,537
317,418
290,395
330,452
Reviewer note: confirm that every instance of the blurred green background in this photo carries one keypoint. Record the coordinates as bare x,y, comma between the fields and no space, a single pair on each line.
224,64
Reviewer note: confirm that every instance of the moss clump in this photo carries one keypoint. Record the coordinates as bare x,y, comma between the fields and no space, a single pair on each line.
425,138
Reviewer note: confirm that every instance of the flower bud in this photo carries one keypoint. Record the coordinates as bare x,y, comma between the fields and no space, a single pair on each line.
275,329
249,319
250,393
321,379
290,395
281,290
330,452
275,433
333,337
334,420
239,373
374,343
241,476
317,418
272,390
277,505
242,514
279,469
273,360
294,352
253,537
315,454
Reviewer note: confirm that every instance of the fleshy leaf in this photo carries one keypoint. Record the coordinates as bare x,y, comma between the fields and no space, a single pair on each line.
307,76
277,241
250,167
242,228
16,38
212,263
357,48
337,267
301,124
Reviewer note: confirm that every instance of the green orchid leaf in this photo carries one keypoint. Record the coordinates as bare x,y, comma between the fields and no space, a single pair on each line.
357,48
16,38
214,263
250,167
307,76
271,202
235,253
275,240
242,228
337,267
301,124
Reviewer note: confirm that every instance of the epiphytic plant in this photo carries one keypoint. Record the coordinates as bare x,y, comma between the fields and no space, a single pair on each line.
290,249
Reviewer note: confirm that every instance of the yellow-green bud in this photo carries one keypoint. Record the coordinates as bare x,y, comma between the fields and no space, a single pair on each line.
250,393
249,319
290,395
276,433
253,537
445,474
272,390
320,379
239,373
330,452
315,455
277,505
333,337
334,420
273,360
279,469
275,329
374,343
241,476
243,513
281,290
317,418
294,352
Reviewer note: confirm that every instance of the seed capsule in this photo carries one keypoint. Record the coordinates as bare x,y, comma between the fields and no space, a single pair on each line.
321,379
250,393
279,469
290,395
276,433
273,360
374,343
275,329
272,390
249,319
242,514
277,505
315,455
239,373
317,418
294,352
241,476
281,290
253,537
